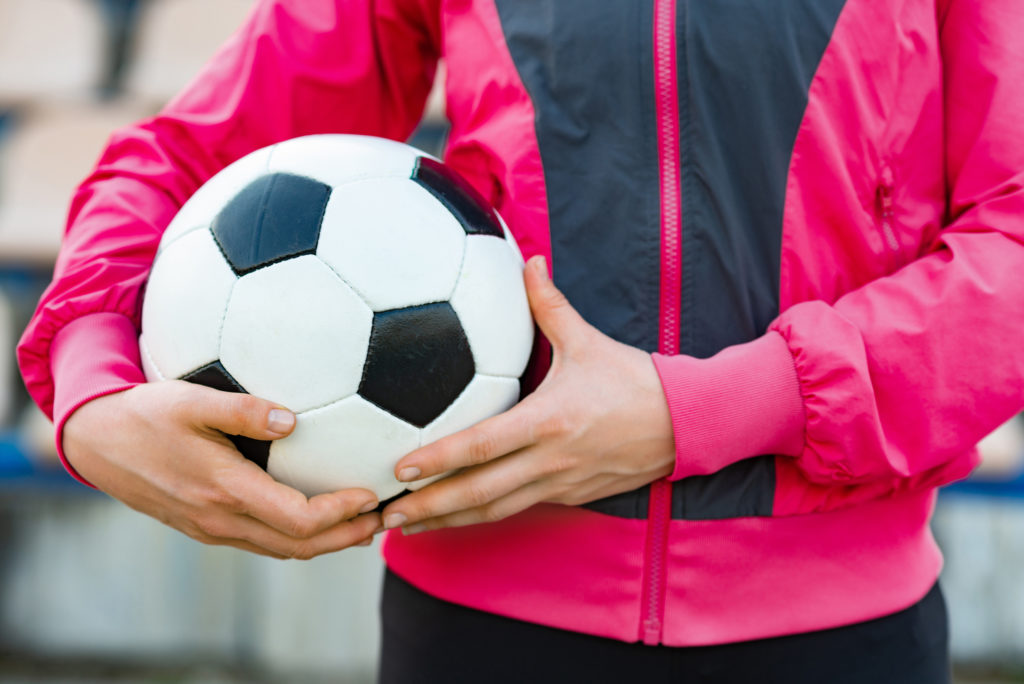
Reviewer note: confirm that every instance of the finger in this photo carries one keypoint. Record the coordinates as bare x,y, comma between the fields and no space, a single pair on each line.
555,316
238,544
237,413
469,489
530,494
341,536
487,440
254,493
514,502
251,535
195,531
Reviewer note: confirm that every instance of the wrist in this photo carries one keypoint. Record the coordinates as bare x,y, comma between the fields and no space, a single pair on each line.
745,401
91,357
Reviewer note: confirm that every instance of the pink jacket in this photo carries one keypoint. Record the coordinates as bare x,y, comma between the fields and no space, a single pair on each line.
811,213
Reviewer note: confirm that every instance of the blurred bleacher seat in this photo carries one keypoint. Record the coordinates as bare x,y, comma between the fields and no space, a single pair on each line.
50,50
1002,452
175,38
46,155
436,105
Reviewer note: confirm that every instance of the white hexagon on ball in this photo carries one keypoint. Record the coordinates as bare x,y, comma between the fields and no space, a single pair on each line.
350,443
511,239
337,159
491,303
294,333
186,297
388,239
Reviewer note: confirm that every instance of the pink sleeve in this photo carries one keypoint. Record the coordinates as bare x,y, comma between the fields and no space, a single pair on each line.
743,401
293,68
904,375
92,356
900,378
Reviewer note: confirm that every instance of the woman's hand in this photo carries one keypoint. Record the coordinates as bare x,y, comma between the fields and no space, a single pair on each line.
161,449
598,425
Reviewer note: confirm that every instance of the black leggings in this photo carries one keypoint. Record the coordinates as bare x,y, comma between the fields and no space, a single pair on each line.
427,641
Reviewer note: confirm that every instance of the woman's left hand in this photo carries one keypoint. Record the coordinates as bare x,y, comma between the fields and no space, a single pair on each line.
596,426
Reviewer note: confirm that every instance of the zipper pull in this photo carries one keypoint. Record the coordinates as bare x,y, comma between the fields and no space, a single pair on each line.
885,201
883,193
652,632
884,206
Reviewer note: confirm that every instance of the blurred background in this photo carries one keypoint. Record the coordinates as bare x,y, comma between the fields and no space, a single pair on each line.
93,592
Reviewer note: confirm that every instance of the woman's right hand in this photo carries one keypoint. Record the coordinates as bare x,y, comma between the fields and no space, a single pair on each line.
161,449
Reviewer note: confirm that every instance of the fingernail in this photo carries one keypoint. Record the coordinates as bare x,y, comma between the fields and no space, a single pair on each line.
407,474
414,529
366,542
394,520
380,528
541,266
369,506
280,420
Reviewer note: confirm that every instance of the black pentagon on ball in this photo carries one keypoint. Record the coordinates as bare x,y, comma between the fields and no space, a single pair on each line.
417,363
216,376
461,199
276,217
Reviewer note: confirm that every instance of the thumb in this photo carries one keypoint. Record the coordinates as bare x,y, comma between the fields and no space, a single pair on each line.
235,413
555,316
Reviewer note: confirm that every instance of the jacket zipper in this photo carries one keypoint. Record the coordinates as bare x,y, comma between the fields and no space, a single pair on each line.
660,505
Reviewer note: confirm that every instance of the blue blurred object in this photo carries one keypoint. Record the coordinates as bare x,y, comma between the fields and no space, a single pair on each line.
6,122
13,462
1013,489
19,471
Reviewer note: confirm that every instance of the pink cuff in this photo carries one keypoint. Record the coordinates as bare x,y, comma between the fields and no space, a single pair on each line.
91,357
742,402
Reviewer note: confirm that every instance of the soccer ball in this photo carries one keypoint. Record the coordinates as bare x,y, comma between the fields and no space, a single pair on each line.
358,282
